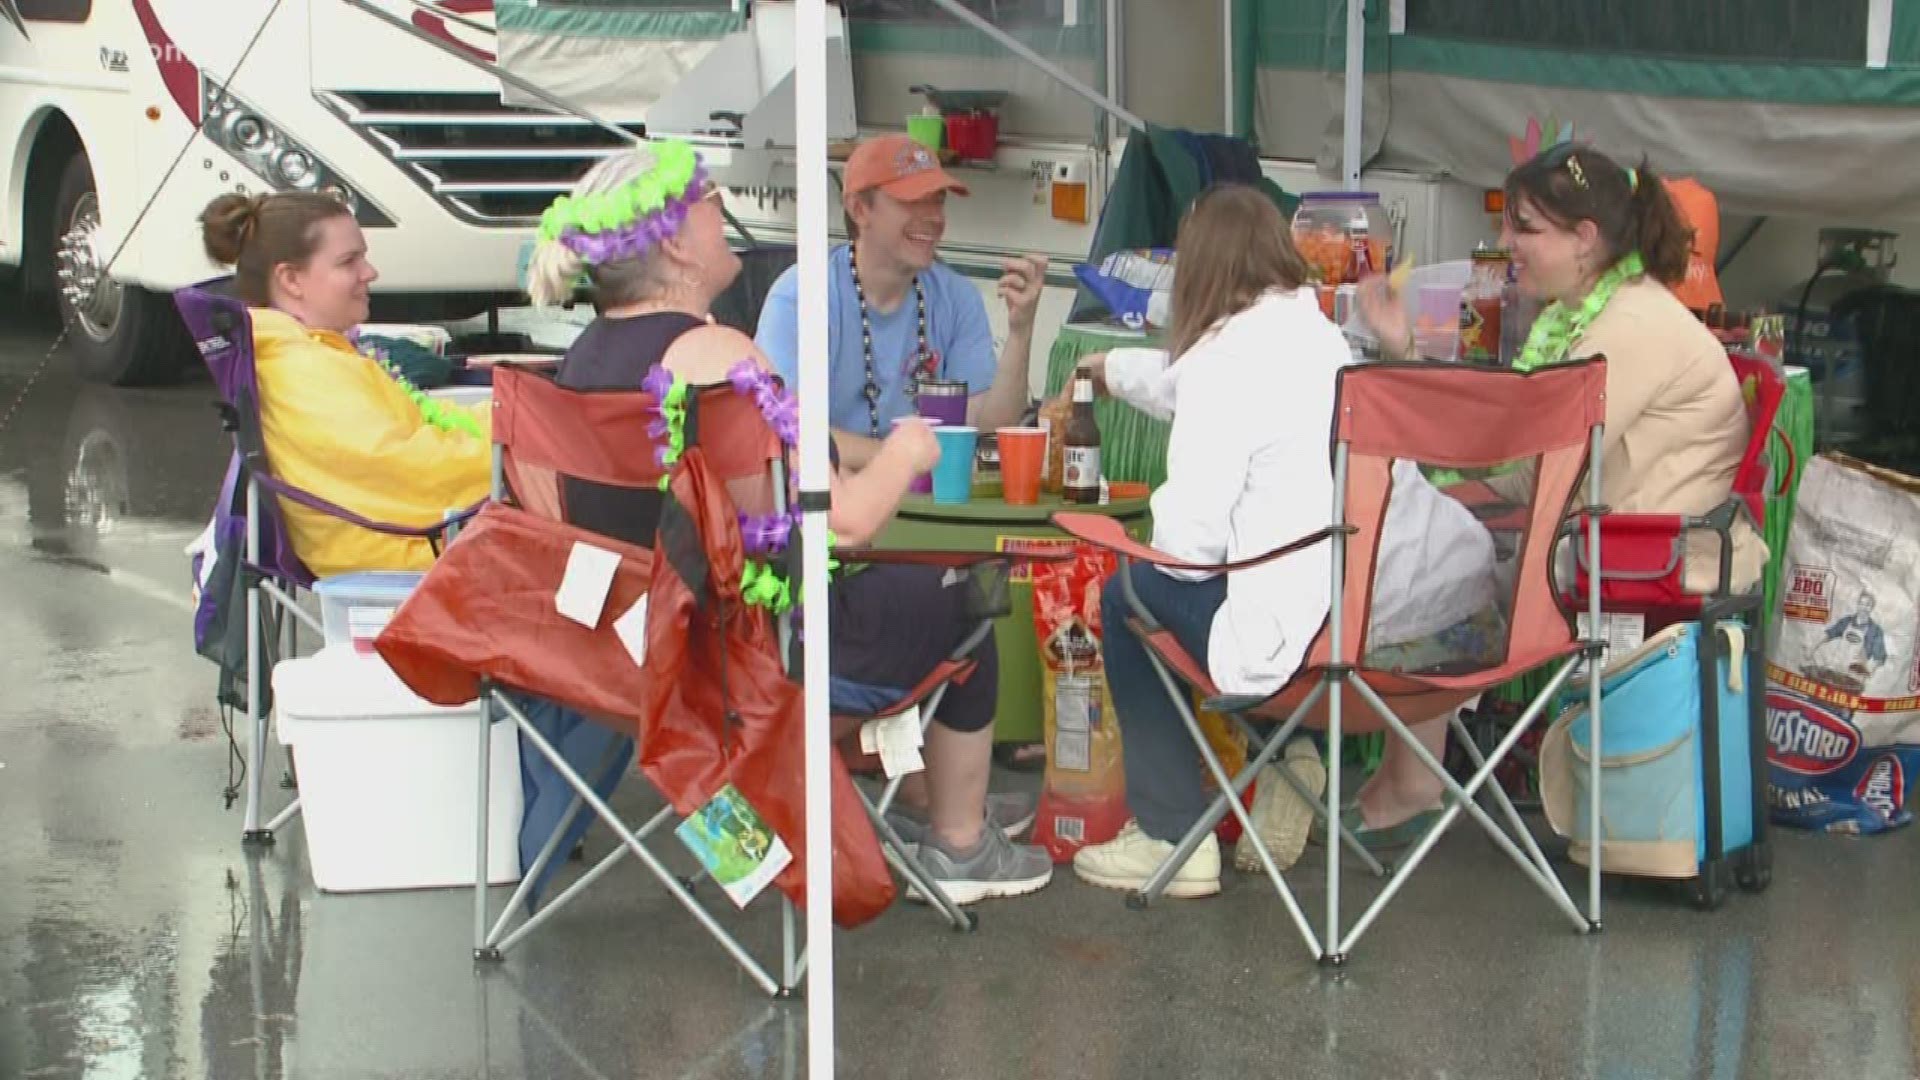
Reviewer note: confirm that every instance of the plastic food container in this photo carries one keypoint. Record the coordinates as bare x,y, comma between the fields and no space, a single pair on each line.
1344,235
354,608
467,396
433,338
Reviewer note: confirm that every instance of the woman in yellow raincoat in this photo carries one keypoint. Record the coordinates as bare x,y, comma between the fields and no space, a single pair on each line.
335,423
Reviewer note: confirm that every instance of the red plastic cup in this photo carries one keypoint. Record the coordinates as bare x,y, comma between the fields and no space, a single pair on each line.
1023,456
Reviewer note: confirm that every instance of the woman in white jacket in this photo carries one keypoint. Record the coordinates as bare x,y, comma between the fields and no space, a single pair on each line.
1249,383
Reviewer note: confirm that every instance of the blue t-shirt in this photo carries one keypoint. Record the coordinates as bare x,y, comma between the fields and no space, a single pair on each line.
957,332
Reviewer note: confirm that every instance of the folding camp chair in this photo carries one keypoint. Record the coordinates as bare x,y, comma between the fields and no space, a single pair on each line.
1437,415
269,569
1645,573
987,600
482,622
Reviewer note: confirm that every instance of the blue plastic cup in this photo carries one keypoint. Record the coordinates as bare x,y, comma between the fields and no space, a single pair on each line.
953,476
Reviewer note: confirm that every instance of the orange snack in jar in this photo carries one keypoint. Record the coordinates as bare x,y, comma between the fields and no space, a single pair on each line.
1343,235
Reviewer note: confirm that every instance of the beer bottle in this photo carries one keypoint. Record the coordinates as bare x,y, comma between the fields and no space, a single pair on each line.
1082,445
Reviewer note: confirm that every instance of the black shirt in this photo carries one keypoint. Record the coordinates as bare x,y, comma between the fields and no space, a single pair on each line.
616,354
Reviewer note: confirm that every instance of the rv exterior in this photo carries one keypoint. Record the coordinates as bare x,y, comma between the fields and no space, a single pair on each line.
99,97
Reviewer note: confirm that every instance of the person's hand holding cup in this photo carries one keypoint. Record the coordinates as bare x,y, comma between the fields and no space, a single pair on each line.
913,438
1385,314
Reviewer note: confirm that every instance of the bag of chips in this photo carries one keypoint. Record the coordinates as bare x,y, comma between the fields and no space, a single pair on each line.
1084,797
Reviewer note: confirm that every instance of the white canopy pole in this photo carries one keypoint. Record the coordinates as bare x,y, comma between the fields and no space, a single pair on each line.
1227,71
1350,115
810,126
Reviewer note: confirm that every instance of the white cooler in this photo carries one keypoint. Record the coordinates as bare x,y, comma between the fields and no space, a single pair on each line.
387,789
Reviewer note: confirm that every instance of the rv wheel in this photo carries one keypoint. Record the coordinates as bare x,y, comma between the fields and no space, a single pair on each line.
117,333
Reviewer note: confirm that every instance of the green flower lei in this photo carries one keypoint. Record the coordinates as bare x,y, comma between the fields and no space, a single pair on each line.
673,413
675,163
436,413
761,584
1560,327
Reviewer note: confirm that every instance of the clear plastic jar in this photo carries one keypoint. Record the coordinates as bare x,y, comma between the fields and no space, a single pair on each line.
1344,235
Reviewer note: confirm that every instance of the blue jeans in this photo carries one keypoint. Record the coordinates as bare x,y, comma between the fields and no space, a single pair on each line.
1166,789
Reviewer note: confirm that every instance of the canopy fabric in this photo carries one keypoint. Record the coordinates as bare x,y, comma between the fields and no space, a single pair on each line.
613,59
618,57
1692,86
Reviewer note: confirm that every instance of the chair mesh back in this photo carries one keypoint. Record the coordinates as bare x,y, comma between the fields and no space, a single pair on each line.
222,331
550,435
1458,481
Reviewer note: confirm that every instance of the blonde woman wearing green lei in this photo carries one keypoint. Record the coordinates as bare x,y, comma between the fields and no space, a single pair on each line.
1601,245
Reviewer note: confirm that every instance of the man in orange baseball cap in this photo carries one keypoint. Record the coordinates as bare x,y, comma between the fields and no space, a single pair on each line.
897,315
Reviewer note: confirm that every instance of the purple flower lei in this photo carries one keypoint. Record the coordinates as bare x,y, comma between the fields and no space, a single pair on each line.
764,535
643,234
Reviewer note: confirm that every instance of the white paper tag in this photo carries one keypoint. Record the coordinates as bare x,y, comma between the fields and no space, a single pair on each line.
1623,633
898,759
1073,704
897,739
1073,751
583,592
632,630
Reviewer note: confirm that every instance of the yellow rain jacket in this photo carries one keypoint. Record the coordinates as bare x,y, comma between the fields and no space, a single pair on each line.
338,426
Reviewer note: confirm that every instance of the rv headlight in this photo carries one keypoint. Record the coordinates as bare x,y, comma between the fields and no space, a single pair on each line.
295,169
271,154
249,132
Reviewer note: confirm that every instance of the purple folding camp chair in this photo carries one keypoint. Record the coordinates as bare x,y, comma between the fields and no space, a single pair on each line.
252,555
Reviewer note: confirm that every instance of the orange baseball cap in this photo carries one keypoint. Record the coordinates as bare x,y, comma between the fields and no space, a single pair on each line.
900,167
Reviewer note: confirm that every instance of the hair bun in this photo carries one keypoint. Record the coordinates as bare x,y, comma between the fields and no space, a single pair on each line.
228,224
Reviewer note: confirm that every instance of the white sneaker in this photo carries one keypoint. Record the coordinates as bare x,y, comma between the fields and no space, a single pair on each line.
1128,860
1282,817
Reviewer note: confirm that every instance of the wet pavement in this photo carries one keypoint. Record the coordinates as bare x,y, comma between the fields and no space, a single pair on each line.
139,939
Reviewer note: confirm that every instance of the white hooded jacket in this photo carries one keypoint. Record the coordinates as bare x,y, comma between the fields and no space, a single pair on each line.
1250,468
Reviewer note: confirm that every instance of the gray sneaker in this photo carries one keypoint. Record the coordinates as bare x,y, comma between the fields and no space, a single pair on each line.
1012,812
998,867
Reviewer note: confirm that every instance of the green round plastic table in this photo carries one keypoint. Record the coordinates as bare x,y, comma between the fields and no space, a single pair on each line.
987,524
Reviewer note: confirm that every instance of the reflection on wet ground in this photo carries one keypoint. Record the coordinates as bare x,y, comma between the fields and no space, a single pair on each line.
137,939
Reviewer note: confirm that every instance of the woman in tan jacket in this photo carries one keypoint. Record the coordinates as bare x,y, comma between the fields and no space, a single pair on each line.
1602,245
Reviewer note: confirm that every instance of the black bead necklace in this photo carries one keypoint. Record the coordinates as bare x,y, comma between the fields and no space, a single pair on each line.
866,342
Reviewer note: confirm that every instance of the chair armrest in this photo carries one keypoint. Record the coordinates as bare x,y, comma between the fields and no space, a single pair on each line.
1105,532
952,559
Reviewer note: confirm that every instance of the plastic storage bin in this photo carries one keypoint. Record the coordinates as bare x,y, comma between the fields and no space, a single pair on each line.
354,608
387,780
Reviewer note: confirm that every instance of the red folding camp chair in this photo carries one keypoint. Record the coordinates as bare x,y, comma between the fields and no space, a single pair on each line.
713,703
1645,571
1440,416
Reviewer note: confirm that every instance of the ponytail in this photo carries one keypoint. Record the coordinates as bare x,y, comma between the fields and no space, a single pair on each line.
1570,183
1660,234
552,273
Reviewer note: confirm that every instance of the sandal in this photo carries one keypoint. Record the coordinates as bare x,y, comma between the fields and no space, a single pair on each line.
1021,757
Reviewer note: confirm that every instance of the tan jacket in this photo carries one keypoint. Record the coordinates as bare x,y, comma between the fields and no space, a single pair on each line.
1676,423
